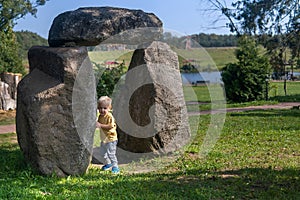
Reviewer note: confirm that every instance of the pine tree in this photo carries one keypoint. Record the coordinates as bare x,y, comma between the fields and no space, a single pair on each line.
246,80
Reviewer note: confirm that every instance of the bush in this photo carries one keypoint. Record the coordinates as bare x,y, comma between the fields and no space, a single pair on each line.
107,78
10,61
26,40
246,80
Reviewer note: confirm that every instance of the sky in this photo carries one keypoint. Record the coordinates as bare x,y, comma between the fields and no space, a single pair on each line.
182,16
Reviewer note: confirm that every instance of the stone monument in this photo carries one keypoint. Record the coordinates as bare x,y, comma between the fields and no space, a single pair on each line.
150,109
56,104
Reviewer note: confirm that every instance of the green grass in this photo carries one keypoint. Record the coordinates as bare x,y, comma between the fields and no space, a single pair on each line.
222,56
204,95
277,91
215,58
101,57
256,157
218,57
7,117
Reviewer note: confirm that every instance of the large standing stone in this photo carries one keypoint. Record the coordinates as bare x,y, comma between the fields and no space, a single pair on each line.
150,108
56,106
92,25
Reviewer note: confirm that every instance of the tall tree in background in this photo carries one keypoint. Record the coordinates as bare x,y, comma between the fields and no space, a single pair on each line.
10,11
279,20
253,17
9,58
246,80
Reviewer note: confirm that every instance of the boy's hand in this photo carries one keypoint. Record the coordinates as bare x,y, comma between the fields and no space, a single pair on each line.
98,125
104,126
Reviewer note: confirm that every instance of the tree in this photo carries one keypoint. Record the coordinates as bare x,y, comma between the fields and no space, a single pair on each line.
272,17
108,78
260,16
277,18
9,58
246,80
10,11
26,40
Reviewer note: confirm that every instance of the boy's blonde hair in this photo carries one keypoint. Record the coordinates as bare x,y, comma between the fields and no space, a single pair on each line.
105,100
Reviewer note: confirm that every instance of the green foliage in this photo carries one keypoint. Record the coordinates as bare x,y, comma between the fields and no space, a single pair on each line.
16,9
298,64
214,40
9,59
202,39
261,16
277,21
26,40
108,78
276,94
245,80
188,68
10,11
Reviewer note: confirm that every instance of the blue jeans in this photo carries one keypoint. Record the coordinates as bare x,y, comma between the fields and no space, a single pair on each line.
108,152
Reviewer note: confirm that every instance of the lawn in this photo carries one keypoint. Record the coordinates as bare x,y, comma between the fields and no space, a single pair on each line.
216,58
256,157
101,57
208,58
204,94
292,89
7,117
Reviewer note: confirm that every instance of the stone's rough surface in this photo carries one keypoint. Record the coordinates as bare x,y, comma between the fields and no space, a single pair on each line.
92,25
47,122
8,90
150,108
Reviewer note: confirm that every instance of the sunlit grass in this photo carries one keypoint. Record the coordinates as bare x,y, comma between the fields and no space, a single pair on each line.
204,94
7,117
256,157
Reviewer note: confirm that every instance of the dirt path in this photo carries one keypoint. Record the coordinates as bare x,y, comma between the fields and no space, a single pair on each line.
286,105
8,128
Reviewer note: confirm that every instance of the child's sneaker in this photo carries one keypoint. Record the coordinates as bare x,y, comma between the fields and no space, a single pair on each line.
115,170
106,167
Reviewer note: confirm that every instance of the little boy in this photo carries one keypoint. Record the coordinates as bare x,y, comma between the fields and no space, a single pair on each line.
108,134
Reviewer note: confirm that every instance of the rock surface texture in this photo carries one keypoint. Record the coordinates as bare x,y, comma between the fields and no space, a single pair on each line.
150,109
56,101
8,90
92,25
56,106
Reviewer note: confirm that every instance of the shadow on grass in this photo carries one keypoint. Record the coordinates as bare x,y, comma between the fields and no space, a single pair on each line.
288,98
252,183
12,161
18,181
268,113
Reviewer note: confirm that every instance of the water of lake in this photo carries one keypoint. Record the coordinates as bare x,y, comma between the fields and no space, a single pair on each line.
207,77
201,77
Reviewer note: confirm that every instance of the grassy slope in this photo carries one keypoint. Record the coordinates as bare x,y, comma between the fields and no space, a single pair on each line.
103,56
213,57
209,56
